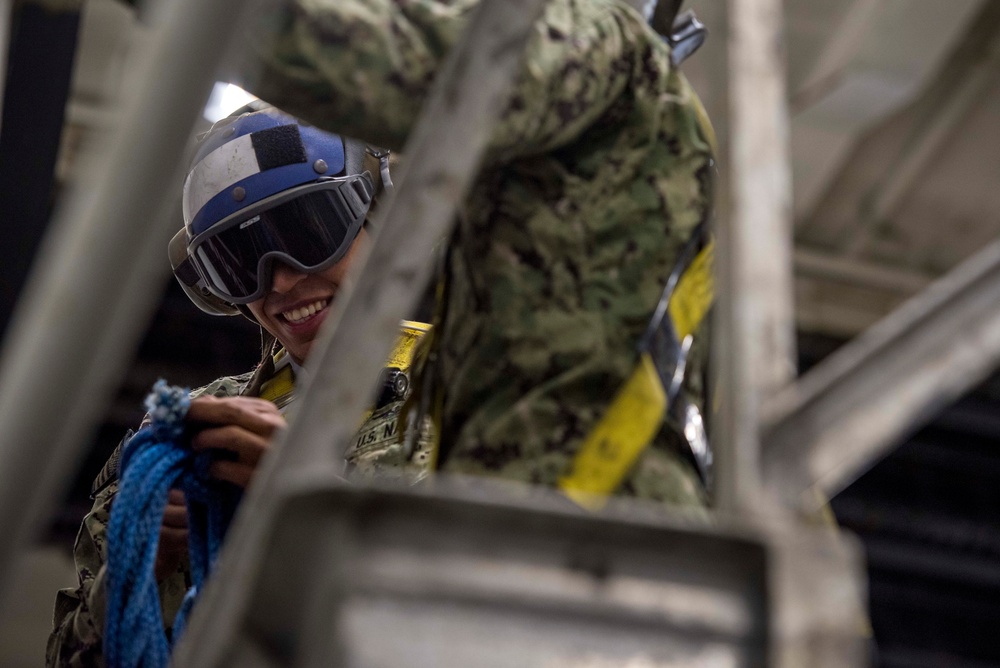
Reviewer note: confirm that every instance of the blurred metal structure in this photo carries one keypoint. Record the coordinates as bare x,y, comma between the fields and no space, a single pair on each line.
466,579
482,576
98,274
463,576
754,325
827,428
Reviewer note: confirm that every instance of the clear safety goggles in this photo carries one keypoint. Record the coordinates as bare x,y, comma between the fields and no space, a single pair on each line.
309,228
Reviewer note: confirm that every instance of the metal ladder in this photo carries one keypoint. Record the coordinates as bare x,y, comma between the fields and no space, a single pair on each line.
459,574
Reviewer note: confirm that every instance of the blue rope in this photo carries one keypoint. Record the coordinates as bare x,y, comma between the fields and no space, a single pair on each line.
156,459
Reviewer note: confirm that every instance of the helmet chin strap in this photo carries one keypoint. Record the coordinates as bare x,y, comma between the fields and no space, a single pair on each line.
383,166
265,369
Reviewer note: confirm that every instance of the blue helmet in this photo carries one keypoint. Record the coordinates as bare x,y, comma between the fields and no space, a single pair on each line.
264,187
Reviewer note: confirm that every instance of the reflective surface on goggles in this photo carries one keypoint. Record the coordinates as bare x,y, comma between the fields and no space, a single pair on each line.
309,232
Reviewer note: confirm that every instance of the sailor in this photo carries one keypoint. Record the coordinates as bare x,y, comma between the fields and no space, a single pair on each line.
275,215
597,176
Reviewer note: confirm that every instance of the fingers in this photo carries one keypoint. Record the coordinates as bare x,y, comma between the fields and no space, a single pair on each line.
248,446
173,545
256,415
237,473
173,541
243,426
175,516
173,536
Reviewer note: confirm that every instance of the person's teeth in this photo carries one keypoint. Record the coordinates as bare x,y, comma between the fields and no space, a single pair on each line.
299,314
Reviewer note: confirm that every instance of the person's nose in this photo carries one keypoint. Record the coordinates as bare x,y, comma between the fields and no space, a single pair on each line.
284,278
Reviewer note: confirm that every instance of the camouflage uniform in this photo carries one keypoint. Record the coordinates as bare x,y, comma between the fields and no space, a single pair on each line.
78,619
598,171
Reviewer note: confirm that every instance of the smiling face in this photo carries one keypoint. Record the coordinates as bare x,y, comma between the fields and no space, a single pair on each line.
297,303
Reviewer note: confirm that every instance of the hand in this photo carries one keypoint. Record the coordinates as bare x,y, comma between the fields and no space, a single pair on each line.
242,426
173,536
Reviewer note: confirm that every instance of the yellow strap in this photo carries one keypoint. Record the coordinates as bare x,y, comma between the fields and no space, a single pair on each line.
636,413
279,388
694,293
401,357
619,438
409,333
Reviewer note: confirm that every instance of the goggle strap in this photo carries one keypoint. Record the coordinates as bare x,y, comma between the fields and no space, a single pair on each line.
357,202
186,273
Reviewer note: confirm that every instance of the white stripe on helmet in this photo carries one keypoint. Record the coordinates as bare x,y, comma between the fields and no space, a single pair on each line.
233,161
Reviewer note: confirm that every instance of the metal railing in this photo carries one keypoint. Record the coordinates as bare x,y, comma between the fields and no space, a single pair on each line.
841,417
356,340
96,279
753,328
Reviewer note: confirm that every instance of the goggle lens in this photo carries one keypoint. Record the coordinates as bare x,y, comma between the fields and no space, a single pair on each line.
310,232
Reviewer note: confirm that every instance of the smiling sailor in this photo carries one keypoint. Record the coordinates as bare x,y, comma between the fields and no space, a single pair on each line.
275,213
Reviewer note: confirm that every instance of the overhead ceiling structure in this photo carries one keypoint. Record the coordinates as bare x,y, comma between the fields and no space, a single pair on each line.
893,108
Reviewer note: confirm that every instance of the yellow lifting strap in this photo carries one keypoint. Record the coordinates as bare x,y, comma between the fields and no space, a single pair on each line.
280,388
638,409
410,332
403,355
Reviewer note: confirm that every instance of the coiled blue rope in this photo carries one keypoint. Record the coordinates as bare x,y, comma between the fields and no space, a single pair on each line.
155,460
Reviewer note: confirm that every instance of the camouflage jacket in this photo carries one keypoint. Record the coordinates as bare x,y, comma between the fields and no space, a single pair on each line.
78,620
598,171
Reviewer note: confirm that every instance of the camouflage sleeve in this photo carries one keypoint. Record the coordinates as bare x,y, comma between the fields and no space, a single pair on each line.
78,619
364,67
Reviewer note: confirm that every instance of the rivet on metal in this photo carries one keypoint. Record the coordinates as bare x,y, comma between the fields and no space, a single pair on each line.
239,193
320,166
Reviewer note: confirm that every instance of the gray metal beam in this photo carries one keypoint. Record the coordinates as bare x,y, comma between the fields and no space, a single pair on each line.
99,272
847,412
946,101
839,269
754,326
451,136
480,575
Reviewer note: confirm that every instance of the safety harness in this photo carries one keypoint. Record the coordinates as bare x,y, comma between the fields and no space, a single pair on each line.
654,388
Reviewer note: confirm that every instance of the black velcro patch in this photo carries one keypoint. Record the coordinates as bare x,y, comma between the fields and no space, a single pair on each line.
276,147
